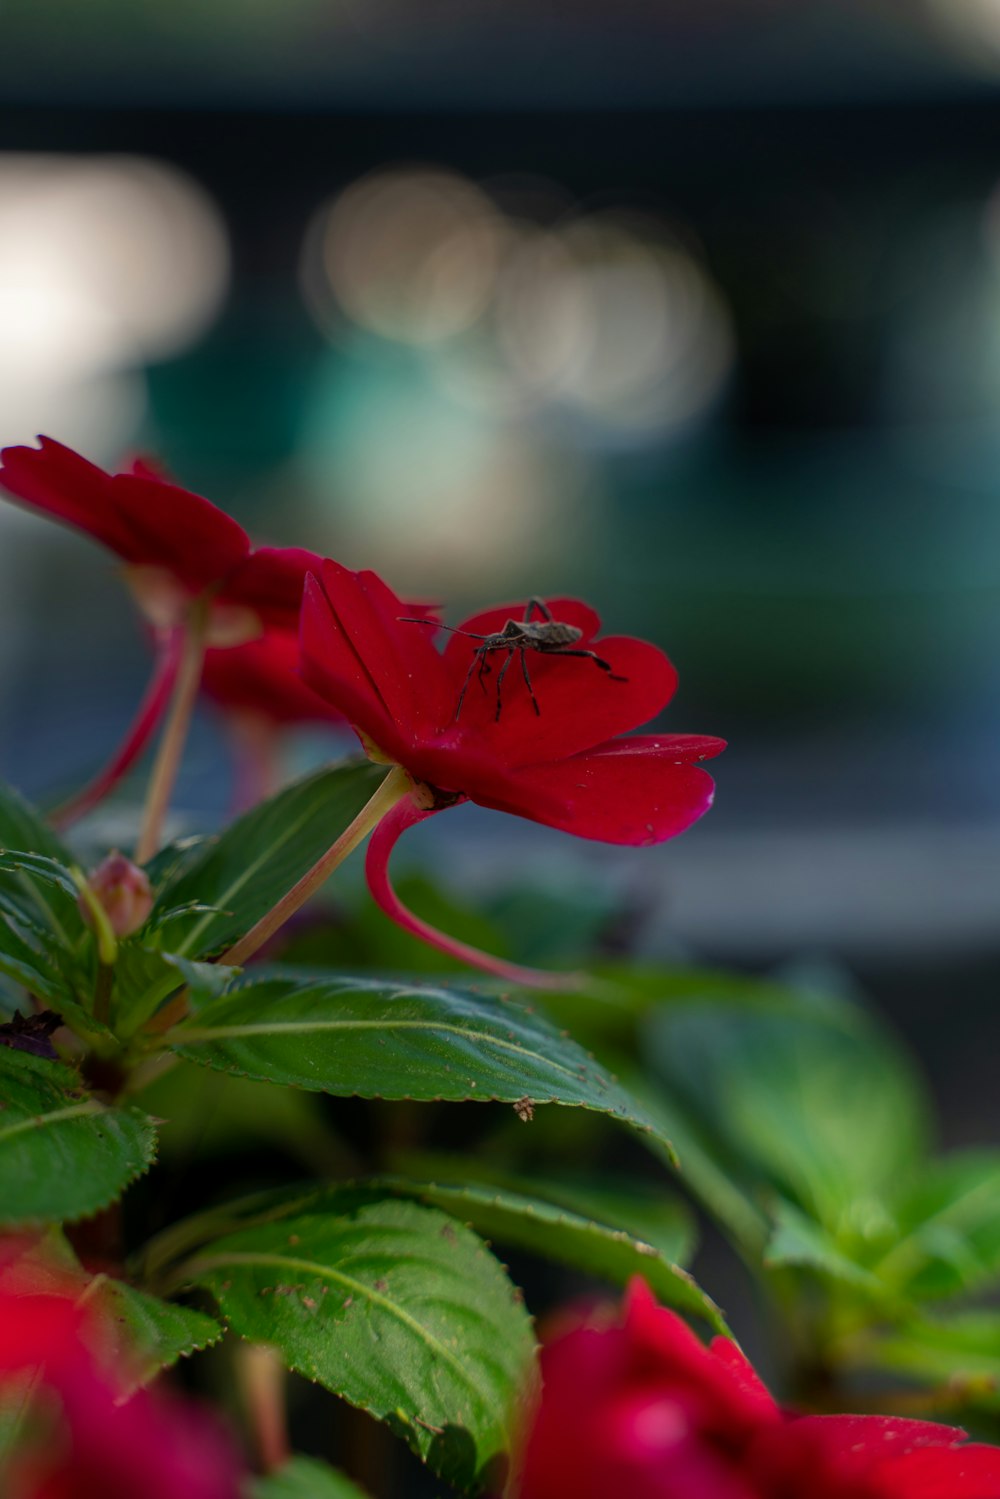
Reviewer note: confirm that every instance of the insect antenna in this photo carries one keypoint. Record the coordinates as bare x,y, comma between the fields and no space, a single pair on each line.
403,620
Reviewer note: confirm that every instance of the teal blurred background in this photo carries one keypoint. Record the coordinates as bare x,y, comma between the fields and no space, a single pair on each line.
694,310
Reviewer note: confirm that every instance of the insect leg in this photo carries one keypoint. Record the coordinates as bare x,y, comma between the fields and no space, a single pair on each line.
540,605
500,676
478,657
527,682
593,656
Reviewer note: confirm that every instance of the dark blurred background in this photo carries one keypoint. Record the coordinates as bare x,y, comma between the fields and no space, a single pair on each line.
692,309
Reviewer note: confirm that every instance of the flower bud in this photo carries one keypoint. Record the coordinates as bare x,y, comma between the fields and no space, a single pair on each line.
123,890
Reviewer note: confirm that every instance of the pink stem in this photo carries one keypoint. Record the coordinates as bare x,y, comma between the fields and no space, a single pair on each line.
406,814
256,753
140,732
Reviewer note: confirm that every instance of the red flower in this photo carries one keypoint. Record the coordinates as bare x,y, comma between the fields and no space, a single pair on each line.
178,548
561,765
260,679
643,1408
91,1437
259,691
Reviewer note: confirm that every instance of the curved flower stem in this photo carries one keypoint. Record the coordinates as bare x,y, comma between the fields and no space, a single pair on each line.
140,731
392,790
384,840
168,756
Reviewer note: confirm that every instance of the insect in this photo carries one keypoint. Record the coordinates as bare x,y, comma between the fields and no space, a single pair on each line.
549,636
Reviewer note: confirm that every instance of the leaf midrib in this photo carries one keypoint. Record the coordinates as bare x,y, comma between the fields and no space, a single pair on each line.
297,1027
311,1267
55,1116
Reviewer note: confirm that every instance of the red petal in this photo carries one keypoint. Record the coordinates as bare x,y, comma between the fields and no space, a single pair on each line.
145,520
262,678
579,703
719,1378
330,666
862,1442
634,791
146,467
140,731
171,527
60,483
406,814
969,1472
384,675
271,581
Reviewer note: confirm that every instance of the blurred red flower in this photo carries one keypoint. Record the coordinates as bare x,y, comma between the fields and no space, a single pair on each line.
563,765
260,679
81,1435
178,549
258,690
642,1408
176,545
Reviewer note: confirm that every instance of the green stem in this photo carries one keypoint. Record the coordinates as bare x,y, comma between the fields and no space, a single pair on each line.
393,789
102,993
168,756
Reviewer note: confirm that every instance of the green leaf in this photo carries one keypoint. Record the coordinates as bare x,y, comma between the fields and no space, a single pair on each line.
813,1099
63,1154
165,868
205,1114
596,1248
149,1334
799,1240
366,1037
304,1478
365,939
393,1306
50,911
949,1227
29,966
145,977
22,827
626,992
961,1354
706,1168
252,864
643,1210
154,1334
39,868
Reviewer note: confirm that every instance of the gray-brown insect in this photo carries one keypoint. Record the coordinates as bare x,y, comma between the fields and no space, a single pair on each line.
549,636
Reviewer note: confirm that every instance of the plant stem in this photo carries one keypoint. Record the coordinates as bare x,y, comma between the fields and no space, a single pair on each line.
140,731
262,1379
168,756
102,993
393,789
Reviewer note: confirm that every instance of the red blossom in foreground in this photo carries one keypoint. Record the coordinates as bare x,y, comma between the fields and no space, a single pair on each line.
643,1409
564,765
80,1437
178,548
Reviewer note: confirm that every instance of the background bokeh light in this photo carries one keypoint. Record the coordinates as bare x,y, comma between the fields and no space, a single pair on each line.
107,264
